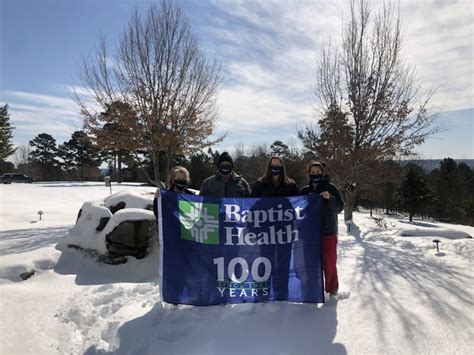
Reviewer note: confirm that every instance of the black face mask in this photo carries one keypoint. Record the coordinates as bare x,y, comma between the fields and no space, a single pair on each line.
316,178
180,184
225,169
276,170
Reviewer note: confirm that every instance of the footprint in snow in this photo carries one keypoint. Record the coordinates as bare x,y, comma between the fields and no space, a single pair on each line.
333,300
343,295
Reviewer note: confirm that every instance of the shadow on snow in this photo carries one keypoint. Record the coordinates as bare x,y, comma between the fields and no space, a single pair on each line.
238,329
436,284
25,240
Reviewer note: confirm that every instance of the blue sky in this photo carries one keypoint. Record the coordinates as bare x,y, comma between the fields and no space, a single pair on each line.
267,49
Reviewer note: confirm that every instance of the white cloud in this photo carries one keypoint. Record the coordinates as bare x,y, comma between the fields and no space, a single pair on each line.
269,51
32,114
257,111
439,43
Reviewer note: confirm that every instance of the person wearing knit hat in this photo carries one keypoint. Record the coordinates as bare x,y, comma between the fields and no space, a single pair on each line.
226,182
225,157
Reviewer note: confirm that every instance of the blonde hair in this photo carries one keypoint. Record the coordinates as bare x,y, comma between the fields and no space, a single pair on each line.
174,172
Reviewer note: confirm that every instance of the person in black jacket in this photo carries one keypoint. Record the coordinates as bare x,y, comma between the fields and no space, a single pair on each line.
178,181
333,204
275,183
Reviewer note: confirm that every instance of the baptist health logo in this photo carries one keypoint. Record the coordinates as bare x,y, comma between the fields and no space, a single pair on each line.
199,221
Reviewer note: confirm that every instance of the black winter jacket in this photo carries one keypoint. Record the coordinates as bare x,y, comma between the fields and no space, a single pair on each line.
262,189
215,186
331,207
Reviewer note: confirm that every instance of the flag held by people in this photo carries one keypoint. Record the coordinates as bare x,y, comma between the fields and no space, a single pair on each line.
237,250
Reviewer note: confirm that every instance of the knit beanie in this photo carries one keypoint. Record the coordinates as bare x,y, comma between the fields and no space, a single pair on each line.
225,157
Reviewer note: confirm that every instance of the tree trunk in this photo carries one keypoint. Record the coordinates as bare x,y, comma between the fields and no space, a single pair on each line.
119,171
349,204
115,167
168,158
156,170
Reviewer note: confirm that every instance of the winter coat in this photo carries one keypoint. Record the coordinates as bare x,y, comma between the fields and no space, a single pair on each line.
263,189
155,200
215,186
331,207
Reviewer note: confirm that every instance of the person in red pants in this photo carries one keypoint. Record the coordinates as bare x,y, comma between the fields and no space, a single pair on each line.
333,204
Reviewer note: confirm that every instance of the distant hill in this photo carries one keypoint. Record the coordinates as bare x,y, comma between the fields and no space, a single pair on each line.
431,164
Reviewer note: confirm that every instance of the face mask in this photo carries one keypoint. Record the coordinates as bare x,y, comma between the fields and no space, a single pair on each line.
225,169
276,170
180,184
316,177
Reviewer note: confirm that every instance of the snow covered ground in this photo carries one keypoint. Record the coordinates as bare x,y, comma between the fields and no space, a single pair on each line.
401,295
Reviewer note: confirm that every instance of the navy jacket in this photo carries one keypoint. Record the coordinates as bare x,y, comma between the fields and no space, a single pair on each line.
262,189
331,208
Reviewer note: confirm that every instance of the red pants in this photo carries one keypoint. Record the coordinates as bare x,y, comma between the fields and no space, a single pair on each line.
331,282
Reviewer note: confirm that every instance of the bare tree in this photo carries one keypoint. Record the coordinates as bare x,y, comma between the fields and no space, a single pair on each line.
239,150
21,157
368,82
258,150
159,70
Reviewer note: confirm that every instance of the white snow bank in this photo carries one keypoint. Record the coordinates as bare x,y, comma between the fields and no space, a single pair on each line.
11,266
434,232
87,271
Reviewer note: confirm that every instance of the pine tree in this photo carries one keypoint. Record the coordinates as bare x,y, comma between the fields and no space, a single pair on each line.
45,148
465,191
45,153
113,132
413,193
332,144
6,133
201,165
80,152
453,187
280,149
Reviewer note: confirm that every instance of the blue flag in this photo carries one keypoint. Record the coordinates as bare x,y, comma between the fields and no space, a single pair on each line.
236,250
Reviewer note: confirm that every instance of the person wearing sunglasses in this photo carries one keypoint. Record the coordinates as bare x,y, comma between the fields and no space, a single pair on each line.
226,182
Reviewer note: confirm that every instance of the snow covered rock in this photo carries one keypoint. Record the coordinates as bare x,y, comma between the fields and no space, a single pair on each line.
128,199
27,274
129,232
122,224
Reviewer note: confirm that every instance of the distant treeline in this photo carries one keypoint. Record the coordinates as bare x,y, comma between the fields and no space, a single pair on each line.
445,193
